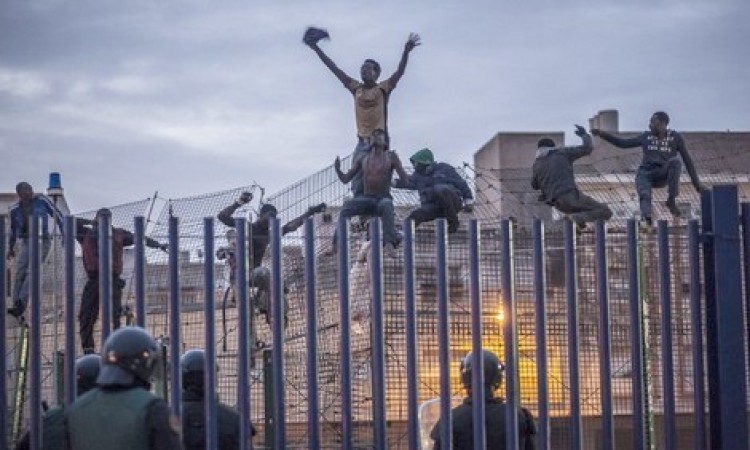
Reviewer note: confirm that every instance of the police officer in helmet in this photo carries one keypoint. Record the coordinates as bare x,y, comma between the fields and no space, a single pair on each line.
494,410
193,367
121,413
53,423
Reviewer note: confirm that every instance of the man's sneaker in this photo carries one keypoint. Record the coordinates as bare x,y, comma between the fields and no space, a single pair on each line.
672,206
389,250
646,224
453,225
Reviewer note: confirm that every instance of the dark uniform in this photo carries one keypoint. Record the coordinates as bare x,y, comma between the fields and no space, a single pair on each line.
442,191
553,174
193,366
87,235
53,422
121,414
494,412
494,419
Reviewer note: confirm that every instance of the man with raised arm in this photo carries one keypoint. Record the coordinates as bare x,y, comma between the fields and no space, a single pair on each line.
370,96
661,165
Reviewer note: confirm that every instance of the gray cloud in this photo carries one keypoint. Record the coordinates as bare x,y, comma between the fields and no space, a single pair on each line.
126,98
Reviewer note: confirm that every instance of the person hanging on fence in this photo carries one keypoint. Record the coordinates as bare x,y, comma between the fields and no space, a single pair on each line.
53,422
121,412
377,169
29,205
370,97
553,174
660,166
260,277
87,234
193,368
495,410
442,191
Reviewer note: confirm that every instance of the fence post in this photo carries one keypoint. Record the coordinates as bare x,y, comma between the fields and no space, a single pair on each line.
245,324
478,385
378,342
507,284
347,425
411,335
443,306
696,320
605,347
209,324
313,402
729,355
541,333
139,270
175,380
636,338
571,288
35,333
667,363
70,309
104,245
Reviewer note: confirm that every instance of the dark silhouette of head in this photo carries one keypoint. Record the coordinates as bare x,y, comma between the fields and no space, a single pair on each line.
87,371
25,192
545,142
370,71
129,358
493,371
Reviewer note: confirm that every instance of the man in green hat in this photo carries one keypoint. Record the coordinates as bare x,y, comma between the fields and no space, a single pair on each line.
442,191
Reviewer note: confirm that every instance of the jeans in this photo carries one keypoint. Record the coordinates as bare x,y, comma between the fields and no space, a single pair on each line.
581,207
362,148
439,201
654,176
371,206
89,312
22,275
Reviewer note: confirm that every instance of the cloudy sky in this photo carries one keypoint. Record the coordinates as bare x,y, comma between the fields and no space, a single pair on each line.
125,98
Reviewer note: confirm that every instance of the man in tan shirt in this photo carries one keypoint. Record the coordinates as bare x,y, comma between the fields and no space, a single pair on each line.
370,97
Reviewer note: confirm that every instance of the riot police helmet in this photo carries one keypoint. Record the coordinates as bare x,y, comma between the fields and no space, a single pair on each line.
493,370
87,370
129,358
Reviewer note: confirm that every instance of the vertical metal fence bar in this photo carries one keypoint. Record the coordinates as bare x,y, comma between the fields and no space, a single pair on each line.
636,338
540,331
69,235
209,322
313,399
347,425
243,334
175,380
667,363
446,418
730,330
411,336
605,347
378,344
104,244
509,334
696,325
35,334
3,351
709,280
139,271
746,265
571,286
277,293
477,372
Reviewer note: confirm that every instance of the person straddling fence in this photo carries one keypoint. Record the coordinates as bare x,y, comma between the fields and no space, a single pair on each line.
121,413
442,191
260,238
377,169
370,97
29,205
495,411
87,234
193,367
53,422
660,166
553,174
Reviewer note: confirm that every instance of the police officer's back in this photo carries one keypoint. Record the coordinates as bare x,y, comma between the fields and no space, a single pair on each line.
53,423
121,414
193,366
495,411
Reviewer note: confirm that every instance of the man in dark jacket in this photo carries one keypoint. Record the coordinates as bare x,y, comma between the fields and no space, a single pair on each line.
442,191
122,414
660,166
553,174
87,234
495,411
53,423
193,366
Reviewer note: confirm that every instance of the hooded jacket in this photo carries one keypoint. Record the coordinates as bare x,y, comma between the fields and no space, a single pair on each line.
552,171
436,174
